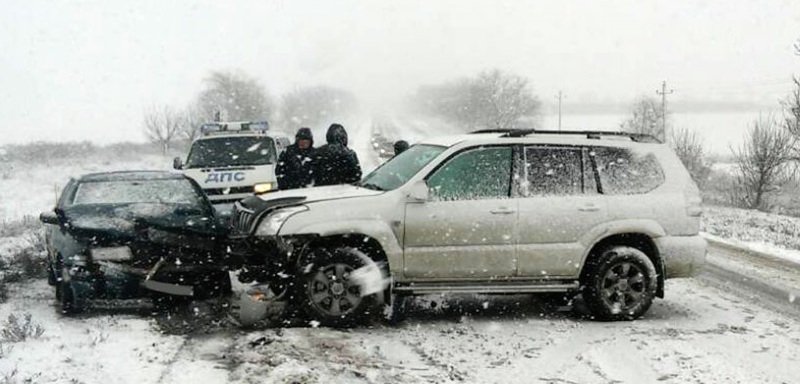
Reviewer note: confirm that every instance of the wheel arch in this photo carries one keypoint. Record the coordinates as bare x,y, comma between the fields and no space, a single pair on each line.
640,241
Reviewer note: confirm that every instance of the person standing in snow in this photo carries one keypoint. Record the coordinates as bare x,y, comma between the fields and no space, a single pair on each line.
335,163
296,163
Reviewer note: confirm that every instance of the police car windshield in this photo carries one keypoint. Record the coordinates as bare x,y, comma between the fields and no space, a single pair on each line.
231,151
399,169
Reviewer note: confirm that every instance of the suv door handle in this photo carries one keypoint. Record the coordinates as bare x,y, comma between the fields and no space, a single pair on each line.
589,208
502,211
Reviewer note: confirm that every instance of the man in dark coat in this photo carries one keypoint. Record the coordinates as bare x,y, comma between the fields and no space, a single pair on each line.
335,163
296,163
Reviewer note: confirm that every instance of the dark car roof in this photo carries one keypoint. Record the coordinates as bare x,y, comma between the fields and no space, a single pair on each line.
130,175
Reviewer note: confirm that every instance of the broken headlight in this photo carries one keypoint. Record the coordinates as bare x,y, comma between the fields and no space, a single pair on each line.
271,224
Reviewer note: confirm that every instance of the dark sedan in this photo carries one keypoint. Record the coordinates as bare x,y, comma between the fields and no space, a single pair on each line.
126,235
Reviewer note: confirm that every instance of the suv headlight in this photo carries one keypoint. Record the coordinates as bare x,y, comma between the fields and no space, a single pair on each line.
271,224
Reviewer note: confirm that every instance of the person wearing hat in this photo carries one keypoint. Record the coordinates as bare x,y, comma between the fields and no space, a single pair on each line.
400,146
335,162
296,164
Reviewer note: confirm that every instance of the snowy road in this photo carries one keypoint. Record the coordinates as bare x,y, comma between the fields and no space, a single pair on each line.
707,330
699,333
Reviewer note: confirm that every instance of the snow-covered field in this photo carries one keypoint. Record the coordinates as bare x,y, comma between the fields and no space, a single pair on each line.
28,189
763,232
700,333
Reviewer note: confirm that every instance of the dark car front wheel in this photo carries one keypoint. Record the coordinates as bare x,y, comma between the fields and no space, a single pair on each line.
620,284
326,291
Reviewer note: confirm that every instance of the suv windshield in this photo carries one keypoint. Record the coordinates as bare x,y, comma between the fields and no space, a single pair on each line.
402,167
231,151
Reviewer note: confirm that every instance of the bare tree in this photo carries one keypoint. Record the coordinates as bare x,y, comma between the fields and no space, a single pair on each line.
646,119
162,125
763,163
791,114
690,148
315,105
191,119
235,96
493,99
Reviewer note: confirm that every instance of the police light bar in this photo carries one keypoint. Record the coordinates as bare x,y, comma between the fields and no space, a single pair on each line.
209,128
258,126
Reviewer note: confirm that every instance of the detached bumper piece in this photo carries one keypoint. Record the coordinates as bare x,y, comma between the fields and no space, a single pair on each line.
199,282
168,288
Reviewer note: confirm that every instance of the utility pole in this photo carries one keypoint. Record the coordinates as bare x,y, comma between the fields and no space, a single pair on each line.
663,92
560,96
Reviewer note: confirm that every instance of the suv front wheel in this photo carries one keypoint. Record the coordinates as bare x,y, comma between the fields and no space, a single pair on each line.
327,291
620,284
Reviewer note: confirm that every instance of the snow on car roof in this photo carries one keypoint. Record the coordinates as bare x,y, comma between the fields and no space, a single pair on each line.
536,138
131,175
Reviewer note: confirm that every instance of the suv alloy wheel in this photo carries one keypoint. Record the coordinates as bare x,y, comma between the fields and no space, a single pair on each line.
326,290
620,284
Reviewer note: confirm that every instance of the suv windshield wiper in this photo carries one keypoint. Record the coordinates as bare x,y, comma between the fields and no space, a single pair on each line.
371,186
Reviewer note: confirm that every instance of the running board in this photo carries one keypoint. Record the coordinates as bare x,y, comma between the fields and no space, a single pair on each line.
492,287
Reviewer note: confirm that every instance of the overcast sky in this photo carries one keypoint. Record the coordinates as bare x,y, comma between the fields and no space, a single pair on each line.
86,69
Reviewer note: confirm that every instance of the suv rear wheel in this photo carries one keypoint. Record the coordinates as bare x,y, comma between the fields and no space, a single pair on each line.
620,284
326,291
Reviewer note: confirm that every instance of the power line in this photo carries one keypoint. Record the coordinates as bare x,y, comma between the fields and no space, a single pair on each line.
663,92
560,96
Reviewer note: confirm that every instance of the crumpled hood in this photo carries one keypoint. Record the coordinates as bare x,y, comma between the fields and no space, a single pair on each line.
315,194
120,223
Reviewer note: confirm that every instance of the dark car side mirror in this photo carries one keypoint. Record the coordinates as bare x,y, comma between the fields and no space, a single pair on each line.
50,217
177,163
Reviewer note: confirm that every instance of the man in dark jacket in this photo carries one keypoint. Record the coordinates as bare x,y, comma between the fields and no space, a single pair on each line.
335,163
295,165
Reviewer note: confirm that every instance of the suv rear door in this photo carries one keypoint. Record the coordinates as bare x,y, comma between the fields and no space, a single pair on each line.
467,229
559,203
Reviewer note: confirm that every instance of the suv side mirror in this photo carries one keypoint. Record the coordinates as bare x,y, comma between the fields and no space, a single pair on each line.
50,217
177,163
419,192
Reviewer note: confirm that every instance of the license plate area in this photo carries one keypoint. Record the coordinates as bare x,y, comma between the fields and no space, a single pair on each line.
112,254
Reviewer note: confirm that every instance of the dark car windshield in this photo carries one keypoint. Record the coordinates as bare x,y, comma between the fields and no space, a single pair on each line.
231,151
164,191
399,169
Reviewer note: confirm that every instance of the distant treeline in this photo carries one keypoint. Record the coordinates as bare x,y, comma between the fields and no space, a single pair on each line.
42,152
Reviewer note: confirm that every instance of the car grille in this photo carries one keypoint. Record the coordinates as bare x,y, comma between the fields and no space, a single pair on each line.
241,220
228,191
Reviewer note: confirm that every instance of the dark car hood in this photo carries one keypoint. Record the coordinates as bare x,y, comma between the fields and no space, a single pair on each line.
105,224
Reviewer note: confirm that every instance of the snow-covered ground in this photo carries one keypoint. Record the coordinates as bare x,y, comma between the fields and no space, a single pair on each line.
699,333
770,233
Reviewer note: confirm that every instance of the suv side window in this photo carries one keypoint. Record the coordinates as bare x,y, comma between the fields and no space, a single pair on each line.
623,171
483,173
553,171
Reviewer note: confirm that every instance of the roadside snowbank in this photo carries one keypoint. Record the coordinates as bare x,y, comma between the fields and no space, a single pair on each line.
760,231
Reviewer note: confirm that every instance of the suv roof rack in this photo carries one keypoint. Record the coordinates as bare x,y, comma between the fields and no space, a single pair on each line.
522,132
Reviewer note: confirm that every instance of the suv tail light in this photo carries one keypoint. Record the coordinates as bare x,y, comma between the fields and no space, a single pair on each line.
694,204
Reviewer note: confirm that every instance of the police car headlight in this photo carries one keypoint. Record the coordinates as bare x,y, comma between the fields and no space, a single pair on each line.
271,224
262,187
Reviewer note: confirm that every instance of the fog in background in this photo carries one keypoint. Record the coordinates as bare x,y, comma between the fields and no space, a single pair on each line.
86,70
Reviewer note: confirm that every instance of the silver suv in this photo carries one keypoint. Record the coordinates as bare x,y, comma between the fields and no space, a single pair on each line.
603,214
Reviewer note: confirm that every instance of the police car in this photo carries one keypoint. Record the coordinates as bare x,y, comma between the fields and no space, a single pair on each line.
233,160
